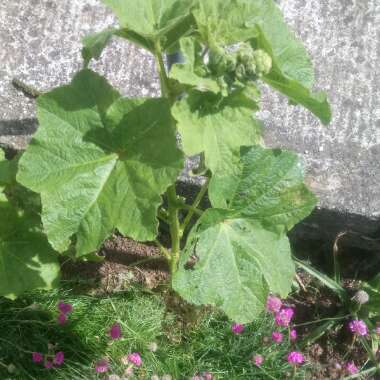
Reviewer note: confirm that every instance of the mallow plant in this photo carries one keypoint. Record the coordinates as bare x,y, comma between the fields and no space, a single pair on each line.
100,162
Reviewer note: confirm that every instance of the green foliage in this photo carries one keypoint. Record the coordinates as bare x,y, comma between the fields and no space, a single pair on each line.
372,308
234,264
266,185
100,162
26,259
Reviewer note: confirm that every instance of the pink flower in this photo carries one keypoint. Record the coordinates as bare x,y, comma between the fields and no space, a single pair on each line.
101,366
284,317
351,368
295,358
65,308
293,335
62,319
196,378
358,327
277,337
377,330
135,359
237,328
274,304
115,331
207,376
37,357
258,360
59,358
48,364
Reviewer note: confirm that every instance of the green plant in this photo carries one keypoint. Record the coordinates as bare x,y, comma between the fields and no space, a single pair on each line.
100,162
363,306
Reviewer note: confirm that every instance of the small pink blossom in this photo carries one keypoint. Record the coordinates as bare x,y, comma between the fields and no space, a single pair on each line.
59,358
284,317
196,378
115,331
258,360
65,308
358,327
62,319
277,337
274,304
48,364
135,359
377,330
293,335
207,376
37,357
237,328
351,368
101,366
295,358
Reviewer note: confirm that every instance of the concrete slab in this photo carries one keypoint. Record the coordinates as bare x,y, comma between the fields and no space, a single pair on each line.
40,42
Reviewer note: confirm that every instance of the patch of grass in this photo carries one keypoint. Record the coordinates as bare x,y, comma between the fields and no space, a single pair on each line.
29,324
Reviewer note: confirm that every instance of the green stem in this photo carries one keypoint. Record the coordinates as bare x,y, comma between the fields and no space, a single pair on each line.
175,229
163,250
191,208
196,203
370,352
174,225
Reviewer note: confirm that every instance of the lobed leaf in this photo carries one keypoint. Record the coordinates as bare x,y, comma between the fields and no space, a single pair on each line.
26,259
266,185
224,22
234,265
100,163
164,21
216,126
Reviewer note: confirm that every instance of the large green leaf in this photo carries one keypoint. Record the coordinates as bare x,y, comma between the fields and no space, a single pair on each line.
216,126
26,259
94,44
266,185
228,22
317,103
234,265
163,21
8,169
224,22
274,35
100,163
187,72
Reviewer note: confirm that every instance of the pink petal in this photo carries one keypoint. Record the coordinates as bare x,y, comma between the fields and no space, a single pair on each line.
59,358
37,357
115,331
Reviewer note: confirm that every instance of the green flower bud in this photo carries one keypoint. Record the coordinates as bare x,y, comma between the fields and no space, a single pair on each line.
231,62
263,62
250,69
240,72
201,71
245,54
